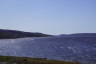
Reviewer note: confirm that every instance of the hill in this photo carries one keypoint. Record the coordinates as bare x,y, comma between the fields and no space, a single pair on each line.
8,34
79,35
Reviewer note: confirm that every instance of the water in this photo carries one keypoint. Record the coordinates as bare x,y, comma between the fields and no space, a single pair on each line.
59,48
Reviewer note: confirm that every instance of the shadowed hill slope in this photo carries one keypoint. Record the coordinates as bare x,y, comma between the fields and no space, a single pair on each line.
7,34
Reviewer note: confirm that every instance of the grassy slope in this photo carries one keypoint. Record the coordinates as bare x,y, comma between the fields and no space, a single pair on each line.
26,60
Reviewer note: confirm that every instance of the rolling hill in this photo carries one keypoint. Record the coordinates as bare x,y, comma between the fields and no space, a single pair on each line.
9,34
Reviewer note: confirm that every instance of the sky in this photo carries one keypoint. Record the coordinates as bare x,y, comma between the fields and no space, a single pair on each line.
49,16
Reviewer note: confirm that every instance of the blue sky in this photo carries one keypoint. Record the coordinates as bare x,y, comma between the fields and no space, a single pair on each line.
49,16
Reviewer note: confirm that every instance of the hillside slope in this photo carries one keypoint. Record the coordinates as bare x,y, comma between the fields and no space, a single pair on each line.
8,34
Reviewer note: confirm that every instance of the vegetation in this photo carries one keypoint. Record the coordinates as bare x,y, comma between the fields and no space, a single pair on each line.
26,60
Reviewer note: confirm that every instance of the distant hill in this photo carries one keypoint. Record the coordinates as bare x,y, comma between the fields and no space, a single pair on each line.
7,34
10,34
85,34
79,35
